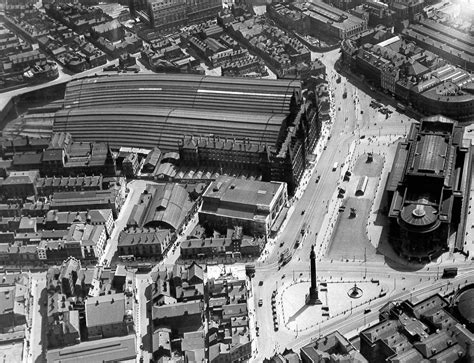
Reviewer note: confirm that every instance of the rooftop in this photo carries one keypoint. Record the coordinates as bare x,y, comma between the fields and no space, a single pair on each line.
105,309
244,192
110,349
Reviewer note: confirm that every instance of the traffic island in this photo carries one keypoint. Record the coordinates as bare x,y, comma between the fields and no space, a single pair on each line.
336,299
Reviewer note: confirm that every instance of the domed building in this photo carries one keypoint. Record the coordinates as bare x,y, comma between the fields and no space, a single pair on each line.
464,304
426,188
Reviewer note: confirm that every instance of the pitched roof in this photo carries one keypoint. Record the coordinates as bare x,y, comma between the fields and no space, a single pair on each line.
169,205
195,270
177,310
110,349
105,309
21,177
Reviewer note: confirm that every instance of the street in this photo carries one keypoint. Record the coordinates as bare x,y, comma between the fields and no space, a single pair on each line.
136,188
141,320
353,120
39,321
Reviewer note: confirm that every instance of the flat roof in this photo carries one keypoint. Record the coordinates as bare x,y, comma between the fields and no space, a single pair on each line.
239,191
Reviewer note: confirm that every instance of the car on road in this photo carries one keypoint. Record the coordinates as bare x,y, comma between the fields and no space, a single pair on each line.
303,212
260,302
260,283
283,276
362,137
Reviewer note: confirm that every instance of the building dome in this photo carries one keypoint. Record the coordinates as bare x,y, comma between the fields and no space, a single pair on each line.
465,303
419,217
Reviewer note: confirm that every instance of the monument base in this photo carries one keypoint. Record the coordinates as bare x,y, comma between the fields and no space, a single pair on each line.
312,298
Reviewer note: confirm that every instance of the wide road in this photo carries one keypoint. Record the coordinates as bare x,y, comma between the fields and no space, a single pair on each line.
141,321
38,329
398,281
357,318
353,119
349,125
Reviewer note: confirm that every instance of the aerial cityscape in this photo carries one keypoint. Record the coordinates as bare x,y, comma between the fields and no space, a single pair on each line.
269,181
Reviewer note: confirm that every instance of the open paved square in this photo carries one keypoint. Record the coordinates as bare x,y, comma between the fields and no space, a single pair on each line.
296,316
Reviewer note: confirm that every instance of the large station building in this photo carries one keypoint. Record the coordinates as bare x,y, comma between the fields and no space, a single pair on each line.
427,189
243,123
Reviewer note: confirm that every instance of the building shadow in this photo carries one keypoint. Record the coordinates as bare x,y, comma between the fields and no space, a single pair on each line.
43,298
384,248
298,313
147,338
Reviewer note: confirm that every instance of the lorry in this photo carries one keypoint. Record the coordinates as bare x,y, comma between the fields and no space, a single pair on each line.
334,167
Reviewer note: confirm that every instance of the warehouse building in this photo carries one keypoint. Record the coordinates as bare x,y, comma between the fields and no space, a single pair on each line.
331,20
171,15
255,206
